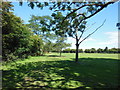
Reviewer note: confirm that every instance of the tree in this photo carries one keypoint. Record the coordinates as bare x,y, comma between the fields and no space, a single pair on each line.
113,50
87,51
37,45
106,50
93,50
41,26
18,41
72,23
80,50
60,44
48,46
73,28
99,50
67,50
72,50
15,35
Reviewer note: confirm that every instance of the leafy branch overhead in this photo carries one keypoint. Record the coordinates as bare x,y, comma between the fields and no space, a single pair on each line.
74,12
90,8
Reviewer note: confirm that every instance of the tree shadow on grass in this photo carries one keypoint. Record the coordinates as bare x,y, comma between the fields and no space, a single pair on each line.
90,73
53,55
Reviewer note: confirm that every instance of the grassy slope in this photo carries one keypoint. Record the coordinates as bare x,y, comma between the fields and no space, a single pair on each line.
51,71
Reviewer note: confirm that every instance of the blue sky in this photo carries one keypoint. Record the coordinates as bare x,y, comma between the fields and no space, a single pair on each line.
107,35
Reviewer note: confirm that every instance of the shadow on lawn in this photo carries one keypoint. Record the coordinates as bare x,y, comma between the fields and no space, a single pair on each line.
53,55
90,73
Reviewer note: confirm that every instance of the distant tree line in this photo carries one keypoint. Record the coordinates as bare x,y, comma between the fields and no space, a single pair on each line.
93,50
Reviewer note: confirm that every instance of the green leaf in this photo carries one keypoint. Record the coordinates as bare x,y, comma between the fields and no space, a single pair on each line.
31,4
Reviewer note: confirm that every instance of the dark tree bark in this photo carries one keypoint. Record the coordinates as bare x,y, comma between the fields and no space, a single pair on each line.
60,53
77,48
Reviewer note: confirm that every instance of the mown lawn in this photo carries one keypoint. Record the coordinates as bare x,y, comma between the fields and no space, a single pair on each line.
51,72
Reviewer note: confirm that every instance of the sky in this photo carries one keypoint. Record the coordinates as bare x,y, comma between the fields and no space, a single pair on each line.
106,36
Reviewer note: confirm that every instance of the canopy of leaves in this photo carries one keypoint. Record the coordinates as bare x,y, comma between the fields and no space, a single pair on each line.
89,8
41,25
17,39
76,14
61,44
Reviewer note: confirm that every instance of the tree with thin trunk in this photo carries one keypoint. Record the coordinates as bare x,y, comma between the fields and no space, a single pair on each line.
73,24
72,28
61,44
65,24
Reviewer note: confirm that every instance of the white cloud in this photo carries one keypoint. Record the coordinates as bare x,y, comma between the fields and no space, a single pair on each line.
90,39
112,38
72,41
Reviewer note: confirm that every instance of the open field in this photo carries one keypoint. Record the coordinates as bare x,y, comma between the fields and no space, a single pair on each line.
54,72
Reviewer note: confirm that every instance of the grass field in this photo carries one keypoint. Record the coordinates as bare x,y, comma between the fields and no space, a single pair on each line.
51,72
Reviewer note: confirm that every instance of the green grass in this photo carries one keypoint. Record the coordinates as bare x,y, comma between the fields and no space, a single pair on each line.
54,72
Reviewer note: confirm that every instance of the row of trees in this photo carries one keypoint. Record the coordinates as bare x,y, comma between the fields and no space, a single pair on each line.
22,40
72,50
93,50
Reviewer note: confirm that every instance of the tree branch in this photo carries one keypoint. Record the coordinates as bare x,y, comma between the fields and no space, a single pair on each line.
89,27
81,14
92,32
65,9
74,10
99,10
86,17
73,37
83,33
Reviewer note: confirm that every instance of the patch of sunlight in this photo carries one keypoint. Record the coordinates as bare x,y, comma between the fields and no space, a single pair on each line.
101,84
58,78
8,67
53,75
56,84
18,85
40,83
61,69
77,74
73,84
28,79
47,79
89,88
66,68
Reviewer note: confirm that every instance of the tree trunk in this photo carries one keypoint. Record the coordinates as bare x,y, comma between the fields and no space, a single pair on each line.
60,53
77,48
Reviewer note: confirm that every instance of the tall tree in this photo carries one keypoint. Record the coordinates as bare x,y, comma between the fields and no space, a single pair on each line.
72,28
15,35
61,44
37,45
41,26
93,50
106,50
99,50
